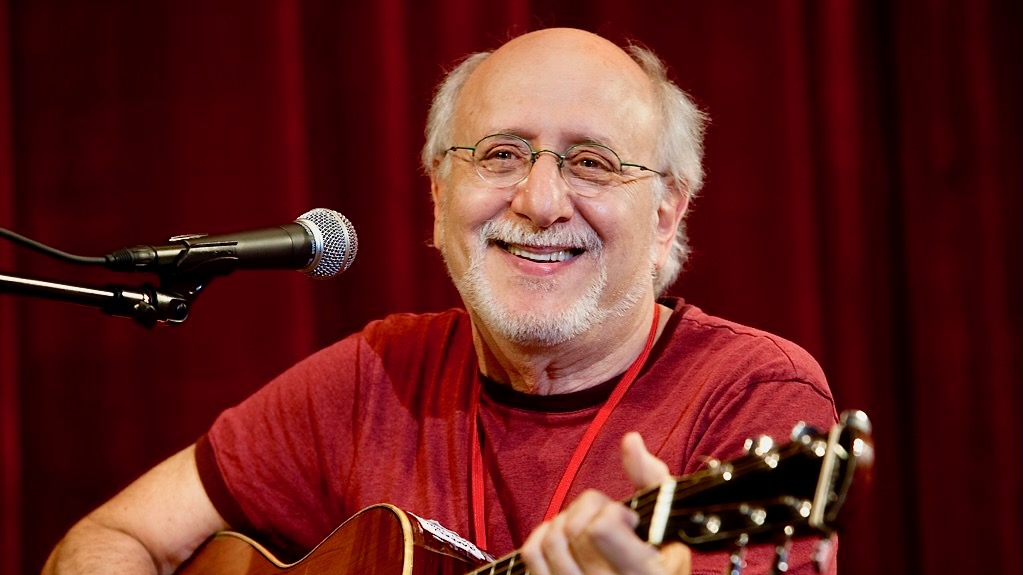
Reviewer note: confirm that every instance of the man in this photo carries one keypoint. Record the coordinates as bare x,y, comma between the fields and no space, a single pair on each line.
561,172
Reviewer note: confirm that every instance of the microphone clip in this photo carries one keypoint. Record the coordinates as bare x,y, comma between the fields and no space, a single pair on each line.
149,305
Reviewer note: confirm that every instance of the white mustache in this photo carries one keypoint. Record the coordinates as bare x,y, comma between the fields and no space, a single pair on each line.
561,236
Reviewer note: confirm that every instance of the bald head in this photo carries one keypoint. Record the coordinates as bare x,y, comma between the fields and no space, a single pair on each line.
559,78
568,52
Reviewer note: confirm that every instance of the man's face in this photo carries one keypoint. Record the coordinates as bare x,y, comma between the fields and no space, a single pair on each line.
538,262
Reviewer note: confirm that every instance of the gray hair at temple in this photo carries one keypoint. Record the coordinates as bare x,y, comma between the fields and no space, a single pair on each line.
680,149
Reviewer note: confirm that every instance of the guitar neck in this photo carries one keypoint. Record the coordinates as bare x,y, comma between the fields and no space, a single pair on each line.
648,504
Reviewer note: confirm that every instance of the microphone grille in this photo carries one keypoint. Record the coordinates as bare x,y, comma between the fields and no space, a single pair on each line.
337,242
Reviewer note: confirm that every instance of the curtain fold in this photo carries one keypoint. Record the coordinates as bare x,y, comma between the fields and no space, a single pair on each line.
10,446
960,190
862,199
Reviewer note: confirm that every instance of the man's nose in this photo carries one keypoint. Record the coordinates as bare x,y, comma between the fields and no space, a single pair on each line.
544,197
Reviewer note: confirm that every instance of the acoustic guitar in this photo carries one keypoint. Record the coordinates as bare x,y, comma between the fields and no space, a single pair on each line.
773,493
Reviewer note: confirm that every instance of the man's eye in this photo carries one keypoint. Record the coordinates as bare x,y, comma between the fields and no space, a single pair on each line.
592,162
503,153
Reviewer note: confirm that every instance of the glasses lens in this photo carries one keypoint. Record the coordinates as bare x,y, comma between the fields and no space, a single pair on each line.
591,167
502,160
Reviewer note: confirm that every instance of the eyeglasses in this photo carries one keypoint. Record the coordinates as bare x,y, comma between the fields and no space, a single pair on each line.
504,160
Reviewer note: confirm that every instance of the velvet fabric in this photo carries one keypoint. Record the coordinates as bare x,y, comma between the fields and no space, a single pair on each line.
863,199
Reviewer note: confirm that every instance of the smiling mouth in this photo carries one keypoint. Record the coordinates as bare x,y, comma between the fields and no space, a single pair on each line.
539,255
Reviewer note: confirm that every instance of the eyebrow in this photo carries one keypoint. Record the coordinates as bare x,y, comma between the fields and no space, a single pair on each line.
575,141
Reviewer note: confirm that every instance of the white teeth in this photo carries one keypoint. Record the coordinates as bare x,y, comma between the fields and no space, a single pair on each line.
558,256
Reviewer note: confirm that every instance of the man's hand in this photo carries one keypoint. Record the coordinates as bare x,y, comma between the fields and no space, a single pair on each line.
597,535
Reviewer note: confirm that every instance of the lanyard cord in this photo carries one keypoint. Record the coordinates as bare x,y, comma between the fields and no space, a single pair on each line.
558,499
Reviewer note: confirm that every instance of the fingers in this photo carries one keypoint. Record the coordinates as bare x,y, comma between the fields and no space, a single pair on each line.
644,470
549,549
594,535
546,552
612,545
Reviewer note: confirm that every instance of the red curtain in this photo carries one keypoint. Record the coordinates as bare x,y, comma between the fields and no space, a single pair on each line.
10,448
863,199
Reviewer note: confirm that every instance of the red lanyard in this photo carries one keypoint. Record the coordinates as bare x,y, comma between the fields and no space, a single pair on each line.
558,499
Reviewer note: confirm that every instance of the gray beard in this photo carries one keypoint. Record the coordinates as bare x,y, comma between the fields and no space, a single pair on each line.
545,327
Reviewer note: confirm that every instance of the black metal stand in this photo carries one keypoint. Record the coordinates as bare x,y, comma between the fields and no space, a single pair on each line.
146,305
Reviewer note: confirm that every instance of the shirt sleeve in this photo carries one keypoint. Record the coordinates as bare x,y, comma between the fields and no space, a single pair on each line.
273,464
772,395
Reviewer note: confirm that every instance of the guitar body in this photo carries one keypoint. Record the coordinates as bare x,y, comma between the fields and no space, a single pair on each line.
379,540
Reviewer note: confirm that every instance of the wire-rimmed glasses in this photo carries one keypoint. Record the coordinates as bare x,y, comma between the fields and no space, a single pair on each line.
504,160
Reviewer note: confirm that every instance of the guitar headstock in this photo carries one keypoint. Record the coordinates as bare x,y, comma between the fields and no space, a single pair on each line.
771,494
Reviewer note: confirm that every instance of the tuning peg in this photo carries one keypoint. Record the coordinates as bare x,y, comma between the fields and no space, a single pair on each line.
781,553
736,563
857,420
737,558
755,515
863,451
822,554
709,524
723,469
763,447
802,432
759,446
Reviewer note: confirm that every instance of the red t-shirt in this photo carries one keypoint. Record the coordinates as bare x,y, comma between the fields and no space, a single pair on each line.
381,417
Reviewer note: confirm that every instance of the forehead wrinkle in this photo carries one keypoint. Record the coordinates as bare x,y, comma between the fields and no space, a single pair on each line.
566,139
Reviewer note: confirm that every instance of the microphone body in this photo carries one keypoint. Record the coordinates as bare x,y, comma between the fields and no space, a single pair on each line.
321,243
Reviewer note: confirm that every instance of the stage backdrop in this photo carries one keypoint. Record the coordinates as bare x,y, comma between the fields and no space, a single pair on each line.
863,199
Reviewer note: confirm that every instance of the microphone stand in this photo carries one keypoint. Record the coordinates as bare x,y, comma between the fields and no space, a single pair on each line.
146,305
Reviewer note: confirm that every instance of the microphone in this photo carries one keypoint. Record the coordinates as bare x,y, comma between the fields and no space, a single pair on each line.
321,243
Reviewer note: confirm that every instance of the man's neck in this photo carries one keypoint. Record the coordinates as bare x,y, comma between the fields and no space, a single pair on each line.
585,361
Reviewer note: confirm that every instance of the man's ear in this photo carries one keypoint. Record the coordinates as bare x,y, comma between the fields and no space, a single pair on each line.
670,213
437,190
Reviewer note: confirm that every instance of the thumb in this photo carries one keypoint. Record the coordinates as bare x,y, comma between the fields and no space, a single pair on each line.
644,470
676,559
